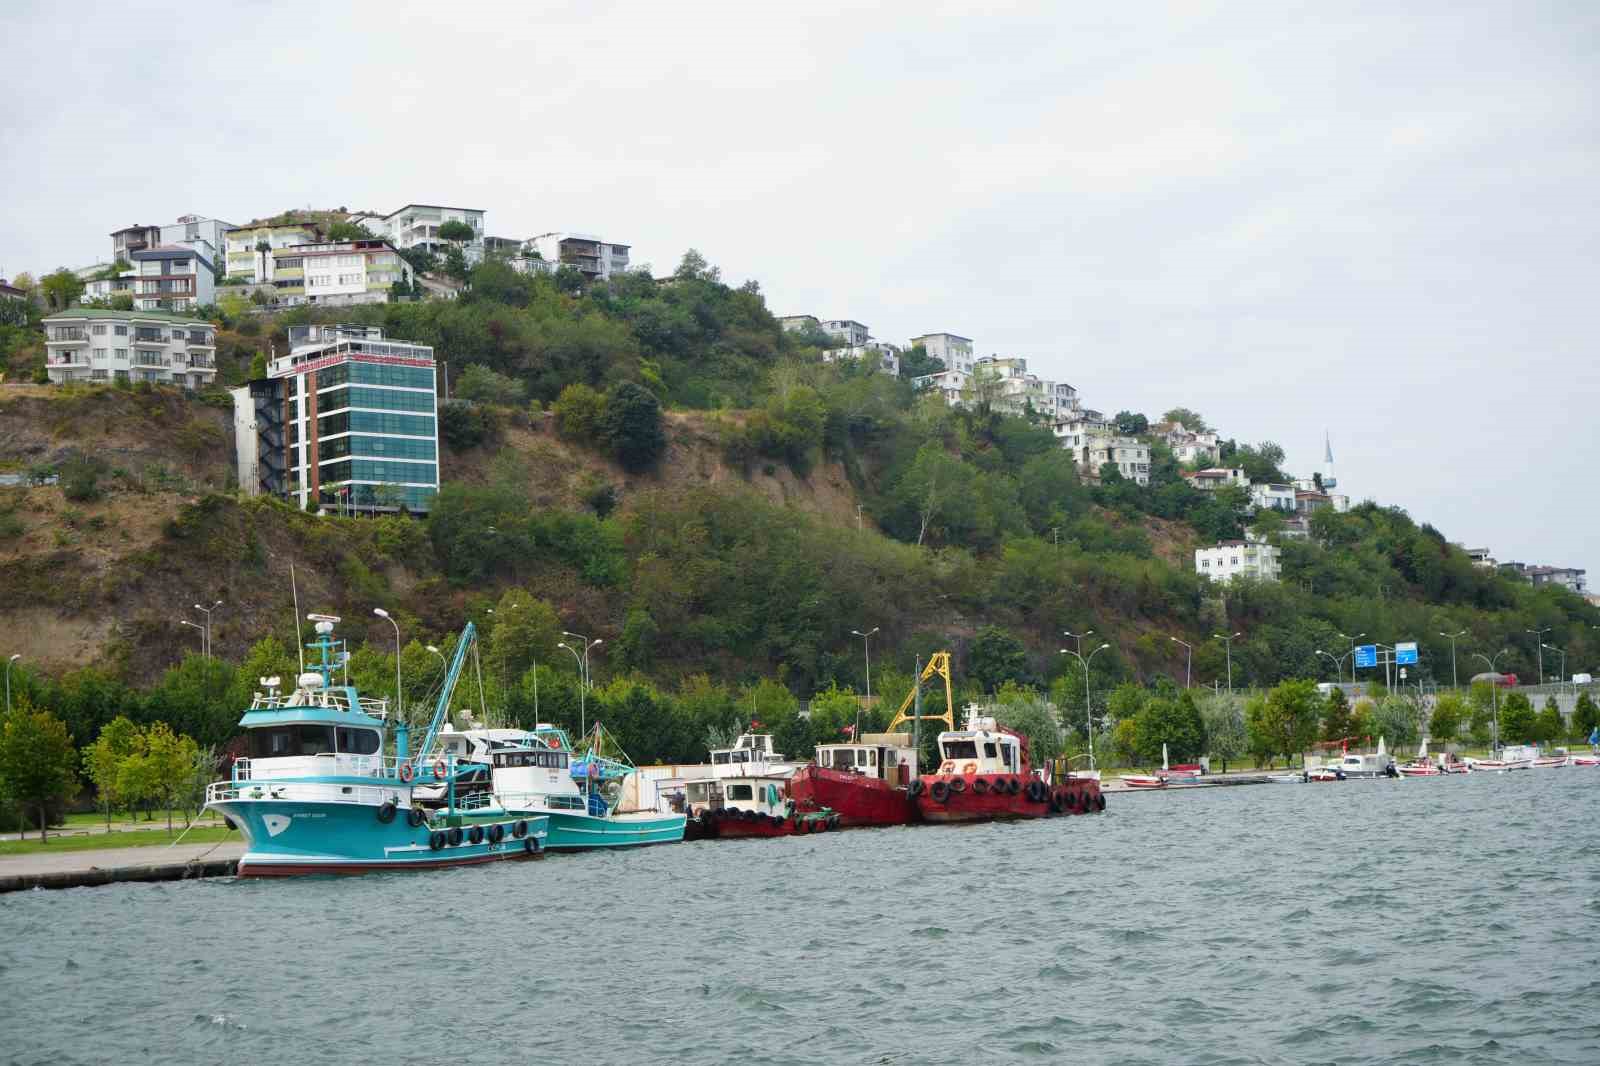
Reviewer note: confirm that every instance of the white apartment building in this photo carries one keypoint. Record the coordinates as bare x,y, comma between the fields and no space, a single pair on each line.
94,344
888,355
1213,478
417,226
1093,441
1570,578
208,236
1239,558
1277,497
949,384
594,258
246,261
797,323
337,272
951,349
850,333
1187,446
172,278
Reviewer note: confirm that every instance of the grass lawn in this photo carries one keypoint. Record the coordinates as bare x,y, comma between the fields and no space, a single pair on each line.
200,834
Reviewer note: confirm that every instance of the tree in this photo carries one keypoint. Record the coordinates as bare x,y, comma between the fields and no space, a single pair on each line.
1585,717
916,363
61,287
1175,723
578,410
1517,719
171,759
1131,423
36,760
464,426
1188,419
1396,718
631,423
258,366
455,264
456,232
345,230
1028,713
483,385
693,267
1285,720
1549,725
997,657
1223,720
526,630
1335,715
1449,712
102,760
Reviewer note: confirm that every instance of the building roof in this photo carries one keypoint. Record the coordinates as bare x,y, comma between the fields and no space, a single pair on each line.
104,312
436,207
941,333
168,251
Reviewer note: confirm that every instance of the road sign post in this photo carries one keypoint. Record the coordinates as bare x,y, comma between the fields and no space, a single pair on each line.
1366,656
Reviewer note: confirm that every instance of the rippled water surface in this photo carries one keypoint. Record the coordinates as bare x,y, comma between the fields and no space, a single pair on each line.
1449,920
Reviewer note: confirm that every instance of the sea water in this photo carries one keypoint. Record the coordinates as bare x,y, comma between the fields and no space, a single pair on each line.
1433,920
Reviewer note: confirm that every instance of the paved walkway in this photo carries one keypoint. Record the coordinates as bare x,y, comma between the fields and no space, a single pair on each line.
54,862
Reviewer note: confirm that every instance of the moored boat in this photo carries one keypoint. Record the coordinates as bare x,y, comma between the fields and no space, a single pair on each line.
1144,780
730,807
986,774
317,794
866,783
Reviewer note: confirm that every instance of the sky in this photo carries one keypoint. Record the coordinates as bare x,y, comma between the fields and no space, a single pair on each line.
1376,220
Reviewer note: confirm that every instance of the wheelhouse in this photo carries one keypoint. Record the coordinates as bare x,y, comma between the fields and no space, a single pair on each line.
883,756
983,747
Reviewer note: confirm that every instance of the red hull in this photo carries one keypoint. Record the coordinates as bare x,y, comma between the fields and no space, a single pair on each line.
951,798
858,800
349,869
727,825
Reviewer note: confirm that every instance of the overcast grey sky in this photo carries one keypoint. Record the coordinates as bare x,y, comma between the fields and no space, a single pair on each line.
1376,218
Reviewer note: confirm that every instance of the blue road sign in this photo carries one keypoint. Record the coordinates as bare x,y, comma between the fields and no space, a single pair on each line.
1366,655
1405,654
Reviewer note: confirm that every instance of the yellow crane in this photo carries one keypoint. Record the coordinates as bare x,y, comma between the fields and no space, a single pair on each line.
939,664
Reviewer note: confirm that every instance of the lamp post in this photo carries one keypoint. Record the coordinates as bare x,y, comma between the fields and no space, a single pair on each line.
1494,690
583,721
207,611
1228,644
1563,653
9,661
866,646
1352,641
1338,665
198,626
1188,669
399,693
1088,707
1538,638
1451,637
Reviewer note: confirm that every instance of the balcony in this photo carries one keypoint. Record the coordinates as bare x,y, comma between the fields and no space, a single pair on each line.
200,342
149,361
68,359
67,336
156,340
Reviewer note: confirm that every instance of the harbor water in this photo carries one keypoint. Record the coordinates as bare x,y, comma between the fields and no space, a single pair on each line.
1435,920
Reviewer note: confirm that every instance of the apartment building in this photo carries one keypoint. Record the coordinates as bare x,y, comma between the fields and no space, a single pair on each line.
1213,478
1570,578
11,292
1229,559
951,349
799,323
1268,494
848,332
951,385
337,272
245,259
1187,446
347,421
1093,441
417,226
208,236
94,344
130,239
888,355
594,258
171,278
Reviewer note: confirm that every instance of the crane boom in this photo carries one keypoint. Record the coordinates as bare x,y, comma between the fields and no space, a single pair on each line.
469,634
938,663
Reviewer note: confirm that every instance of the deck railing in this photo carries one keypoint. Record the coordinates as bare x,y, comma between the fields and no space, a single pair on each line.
370,705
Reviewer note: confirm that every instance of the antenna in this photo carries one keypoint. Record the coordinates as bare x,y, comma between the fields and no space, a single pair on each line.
299,642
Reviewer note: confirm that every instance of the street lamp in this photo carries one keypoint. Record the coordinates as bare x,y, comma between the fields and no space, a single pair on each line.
201,628
9,661
583,721
1088,712
1563,653
399,693
207,611
1538,638
1494,689
1451,637
1338,664
1228,642
866,644
1188,670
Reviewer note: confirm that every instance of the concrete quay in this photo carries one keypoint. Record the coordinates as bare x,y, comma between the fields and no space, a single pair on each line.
104,866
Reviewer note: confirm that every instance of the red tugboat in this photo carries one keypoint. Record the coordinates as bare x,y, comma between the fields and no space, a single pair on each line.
727,807
986,775
868,780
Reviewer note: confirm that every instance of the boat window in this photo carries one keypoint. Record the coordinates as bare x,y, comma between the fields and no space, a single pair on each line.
288,740
738,792
872,758
358,741
988,750
959,749
719,757
741,756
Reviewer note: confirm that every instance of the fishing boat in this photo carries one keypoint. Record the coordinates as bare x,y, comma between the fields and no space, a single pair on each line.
317,794
592,798
1368,764
1422,765
1511,757
986,774
866,783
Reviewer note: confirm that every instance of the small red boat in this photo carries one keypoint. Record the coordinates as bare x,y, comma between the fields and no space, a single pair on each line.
728,807
1144,780
866,783
986,775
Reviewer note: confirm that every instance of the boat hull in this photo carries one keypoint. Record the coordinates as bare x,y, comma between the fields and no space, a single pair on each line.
287,838
731,823
952,798
858,800
576,831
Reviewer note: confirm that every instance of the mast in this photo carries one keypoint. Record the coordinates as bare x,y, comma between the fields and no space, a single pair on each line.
469,635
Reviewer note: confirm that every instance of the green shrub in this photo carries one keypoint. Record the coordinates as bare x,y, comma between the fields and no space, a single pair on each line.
632,426
578,411
464,426
80,479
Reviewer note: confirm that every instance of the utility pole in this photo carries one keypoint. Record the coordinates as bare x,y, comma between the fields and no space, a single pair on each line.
1494,690
1228,643
866,645
1451,637
1088,707
1538,638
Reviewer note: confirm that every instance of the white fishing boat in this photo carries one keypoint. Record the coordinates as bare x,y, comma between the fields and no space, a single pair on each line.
1368,764
1422,765
1511,757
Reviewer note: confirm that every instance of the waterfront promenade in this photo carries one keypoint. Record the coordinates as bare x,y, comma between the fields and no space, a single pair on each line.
100,866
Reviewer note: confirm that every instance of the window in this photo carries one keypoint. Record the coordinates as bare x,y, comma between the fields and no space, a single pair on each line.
960,749
98,329
99,354
284,741
121,353
989,751
739,792
358,741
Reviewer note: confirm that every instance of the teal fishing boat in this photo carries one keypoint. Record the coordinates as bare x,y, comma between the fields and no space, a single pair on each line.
593,798
328,786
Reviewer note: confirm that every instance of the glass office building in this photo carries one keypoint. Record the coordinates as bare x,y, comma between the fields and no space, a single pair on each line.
360,431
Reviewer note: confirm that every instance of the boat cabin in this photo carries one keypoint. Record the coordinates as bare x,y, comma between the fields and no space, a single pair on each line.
764,794
983,747
751,754
535,778
885,756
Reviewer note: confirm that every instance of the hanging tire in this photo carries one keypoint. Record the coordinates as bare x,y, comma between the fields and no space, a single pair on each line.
386,812
958,784
1055,803
1100,802
917,788
455,836
1036,791
497,833
436,839
941,791
532,846
1013,786
1071,801
980,787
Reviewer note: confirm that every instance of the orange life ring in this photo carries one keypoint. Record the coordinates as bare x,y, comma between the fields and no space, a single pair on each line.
438,769
968,769
406,772
552,742
947,767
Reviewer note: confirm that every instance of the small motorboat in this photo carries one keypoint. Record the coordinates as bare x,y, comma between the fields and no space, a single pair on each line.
1287,779
1324,773
1422,765
1584,760
1144,780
